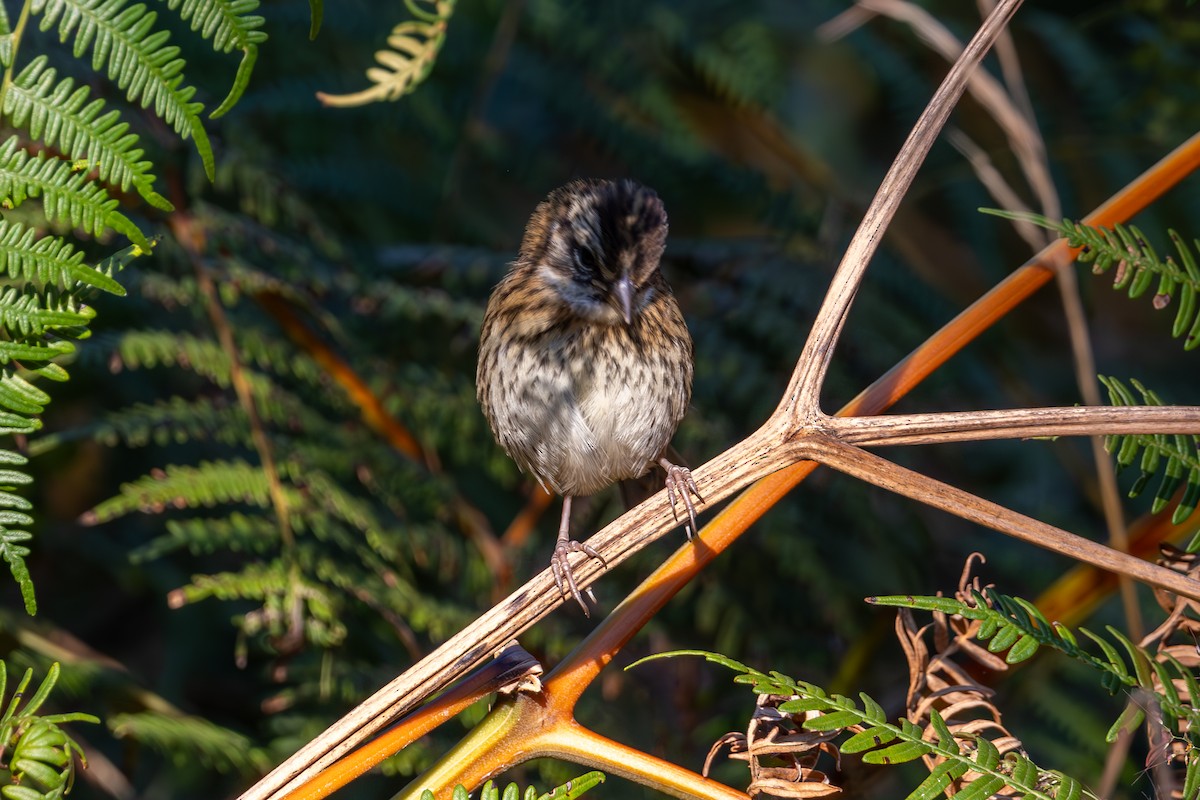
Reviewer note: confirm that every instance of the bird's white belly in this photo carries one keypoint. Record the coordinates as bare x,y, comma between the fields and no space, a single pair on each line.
613,436
583,429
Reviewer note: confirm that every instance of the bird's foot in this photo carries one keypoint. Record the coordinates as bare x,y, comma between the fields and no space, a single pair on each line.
560,566
680,482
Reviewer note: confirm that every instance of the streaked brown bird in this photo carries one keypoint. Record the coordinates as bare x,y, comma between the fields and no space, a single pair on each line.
585,362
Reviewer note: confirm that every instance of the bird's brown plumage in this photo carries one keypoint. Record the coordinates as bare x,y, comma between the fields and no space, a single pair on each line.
585,362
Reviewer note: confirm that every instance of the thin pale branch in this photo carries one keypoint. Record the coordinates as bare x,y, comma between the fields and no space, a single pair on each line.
509,669
1011,423
987,174
801,401
888,475
1023,282
1080,590
1020,130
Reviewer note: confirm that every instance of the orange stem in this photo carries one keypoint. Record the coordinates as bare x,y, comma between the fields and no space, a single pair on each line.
479,684
374,414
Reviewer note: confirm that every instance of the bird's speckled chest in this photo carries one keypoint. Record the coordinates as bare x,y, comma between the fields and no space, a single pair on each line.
583,405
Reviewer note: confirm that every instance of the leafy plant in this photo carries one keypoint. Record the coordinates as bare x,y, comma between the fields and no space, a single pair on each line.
1177,457
413,47
1137,265
75,152
38,756
490,791
968,760
1159,674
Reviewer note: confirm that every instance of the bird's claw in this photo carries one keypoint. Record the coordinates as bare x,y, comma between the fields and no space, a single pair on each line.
679,480
564,577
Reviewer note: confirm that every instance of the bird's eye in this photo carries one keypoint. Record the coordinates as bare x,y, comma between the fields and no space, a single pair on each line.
585,259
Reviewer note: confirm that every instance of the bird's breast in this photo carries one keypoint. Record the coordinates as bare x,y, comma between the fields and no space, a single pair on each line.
584,406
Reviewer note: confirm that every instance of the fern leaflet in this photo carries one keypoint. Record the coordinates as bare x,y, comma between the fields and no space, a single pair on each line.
414,46
66,193
1137,265
208,484
125,45
60,115
230,26
40,755
47,260
188,739
491,791
1016,625
1177,456
886,743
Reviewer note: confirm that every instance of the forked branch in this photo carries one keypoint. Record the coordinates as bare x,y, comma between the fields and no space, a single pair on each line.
802,398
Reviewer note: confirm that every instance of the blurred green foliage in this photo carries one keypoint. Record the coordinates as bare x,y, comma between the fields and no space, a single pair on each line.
214,643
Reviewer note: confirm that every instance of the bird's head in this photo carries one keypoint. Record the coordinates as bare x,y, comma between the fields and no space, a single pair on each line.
597,244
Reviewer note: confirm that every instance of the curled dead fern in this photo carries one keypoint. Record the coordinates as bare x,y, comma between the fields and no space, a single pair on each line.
965,759
1165,689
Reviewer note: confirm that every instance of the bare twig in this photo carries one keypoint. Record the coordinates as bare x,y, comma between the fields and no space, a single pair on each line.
888,475
801,400
1015,423
190,234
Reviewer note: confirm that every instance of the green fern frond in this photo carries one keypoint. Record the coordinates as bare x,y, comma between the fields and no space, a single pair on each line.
230,25
237,533
1138,264
1015,625
7,49
16,351
29,313
59,114
187,740
47,260
177,420
132,53
16,423
12,548
40,755
171,421
1176,456
414,47
206,485
882,742
277,587
257,581
19,395
149,349
67,194
491,791
331,497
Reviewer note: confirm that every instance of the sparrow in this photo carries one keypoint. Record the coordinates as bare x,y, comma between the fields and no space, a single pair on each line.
585,361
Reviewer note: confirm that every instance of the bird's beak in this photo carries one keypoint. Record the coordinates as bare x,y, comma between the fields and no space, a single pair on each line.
623,292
